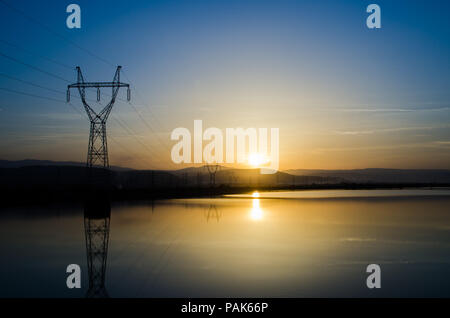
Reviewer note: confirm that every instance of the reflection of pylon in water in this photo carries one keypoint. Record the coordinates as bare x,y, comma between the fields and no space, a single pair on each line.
212,169
232,178
96,226
213,213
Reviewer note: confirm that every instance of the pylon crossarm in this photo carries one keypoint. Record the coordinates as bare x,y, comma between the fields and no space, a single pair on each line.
98,85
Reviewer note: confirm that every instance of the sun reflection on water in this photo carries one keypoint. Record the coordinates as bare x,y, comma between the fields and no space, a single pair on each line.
256,213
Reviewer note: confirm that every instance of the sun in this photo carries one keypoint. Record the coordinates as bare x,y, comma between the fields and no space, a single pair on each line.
256,159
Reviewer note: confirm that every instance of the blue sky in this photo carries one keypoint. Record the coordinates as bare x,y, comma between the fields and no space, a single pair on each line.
342,95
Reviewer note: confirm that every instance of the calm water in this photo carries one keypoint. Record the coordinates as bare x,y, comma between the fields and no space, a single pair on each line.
282,244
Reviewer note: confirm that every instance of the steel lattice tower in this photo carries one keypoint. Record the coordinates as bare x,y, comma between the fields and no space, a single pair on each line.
212,170
98,146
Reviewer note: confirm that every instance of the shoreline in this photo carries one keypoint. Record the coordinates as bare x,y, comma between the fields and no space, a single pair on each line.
45,195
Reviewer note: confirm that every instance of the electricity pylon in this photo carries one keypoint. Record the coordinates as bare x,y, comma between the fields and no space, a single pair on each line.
97,216
212,170
98,146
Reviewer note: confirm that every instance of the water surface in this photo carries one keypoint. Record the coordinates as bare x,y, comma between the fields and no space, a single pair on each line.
240,246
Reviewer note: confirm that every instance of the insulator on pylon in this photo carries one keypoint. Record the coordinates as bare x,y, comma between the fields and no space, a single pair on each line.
68,95
98,94
128,94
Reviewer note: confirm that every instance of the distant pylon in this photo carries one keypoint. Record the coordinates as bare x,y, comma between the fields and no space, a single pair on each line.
212,169
98,146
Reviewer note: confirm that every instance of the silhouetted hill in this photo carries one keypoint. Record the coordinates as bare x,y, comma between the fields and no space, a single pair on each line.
247,177
59,183
379,175
74,182
78,176
35,162
34,173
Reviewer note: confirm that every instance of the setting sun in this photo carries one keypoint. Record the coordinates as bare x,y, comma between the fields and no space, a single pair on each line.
256,159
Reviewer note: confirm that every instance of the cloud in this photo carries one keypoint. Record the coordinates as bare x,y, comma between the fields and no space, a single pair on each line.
388,130
430,144
444,143
357,239
354,132
392,110
373,110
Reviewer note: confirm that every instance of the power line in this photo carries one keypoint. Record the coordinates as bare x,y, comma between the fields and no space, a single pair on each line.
39,70
127,150
142,101
81,48
39,96
36,54
77,46
60,101
65,80
32,95
20,12
128,130
33,67
37,85
149,127
32,84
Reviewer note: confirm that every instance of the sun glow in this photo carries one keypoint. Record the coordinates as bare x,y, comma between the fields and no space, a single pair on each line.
256,159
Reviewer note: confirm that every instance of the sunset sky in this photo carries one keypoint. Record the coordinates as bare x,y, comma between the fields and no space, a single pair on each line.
342,95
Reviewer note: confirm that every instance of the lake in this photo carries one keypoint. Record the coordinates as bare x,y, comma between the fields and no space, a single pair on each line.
273,244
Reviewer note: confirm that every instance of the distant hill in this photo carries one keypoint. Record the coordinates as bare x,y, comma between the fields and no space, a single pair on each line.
380,175
246,177
35,162
46,181
199,176
78,176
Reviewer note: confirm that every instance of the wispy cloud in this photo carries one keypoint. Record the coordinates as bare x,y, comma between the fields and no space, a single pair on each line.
388,130
430,144
393,110
445,142
354,132
374,110
357,239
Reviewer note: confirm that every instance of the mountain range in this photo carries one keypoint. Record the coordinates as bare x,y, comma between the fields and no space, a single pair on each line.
226,175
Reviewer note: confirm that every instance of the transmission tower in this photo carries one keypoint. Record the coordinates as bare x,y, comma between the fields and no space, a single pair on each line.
97,215
212,170
98,146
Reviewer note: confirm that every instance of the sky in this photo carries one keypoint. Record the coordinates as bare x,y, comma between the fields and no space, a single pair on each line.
343,96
